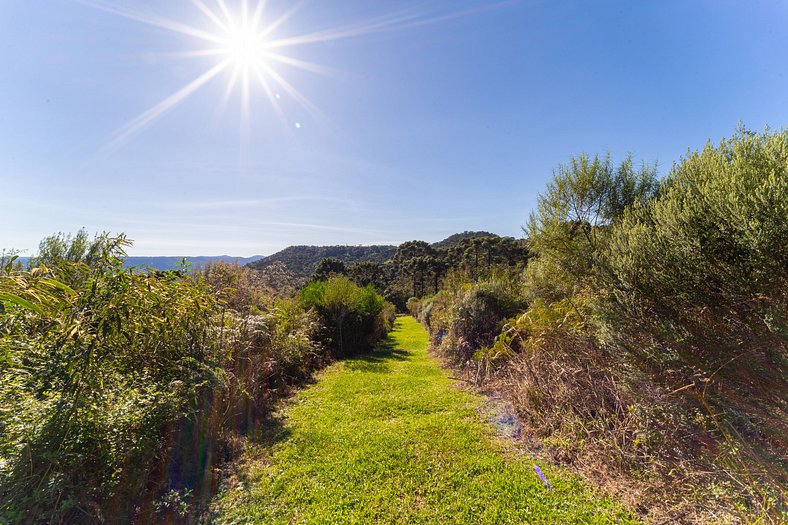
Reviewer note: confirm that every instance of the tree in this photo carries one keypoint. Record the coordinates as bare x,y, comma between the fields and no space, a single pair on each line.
368,272
568,227
327,268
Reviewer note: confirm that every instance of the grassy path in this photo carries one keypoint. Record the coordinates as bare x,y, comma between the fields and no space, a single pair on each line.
387,438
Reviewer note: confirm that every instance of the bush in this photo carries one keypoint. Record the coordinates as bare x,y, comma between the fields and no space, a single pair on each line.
468,316
95,368
568,230
717,234
121,391
353,318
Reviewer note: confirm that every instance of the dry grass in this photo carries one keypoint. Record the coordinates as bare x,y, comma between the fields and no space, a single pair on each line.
675,444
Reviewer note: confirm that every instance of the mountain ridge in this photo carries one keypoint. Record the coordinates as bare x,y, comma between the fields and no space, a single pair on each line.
302,259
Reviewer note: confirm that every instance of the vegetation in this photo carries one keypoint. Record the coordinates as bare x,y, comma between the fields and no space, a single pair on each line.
353,318
639,330
413,269
387,438
646,340
451,240
418,268
123,389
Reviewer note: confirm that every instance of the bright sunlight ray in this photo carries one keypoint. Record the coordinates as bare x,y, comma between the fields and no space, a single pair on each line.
240,39
124,133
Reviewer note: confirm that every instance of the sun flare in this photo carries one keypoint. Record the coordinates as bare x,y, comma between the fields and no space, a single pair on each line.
246,49
240,35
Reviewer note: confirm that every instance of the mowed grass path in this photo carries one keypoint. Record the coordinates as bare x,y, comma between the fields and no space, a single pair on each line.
387,438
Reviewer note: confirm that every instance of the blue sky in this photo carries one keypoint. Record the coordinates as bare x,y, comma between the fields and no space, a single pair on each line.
426,118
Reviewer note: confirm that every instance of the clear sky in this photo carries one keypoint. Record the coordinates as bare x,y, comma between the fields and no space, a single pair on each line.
394,120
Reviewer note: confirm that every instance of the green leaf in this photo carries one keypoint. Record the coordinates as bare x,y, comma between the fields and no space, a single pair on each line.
24,303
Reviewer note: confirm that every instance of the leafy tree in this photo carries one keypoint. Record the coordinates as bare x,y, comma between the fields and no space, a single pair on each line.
410,249
327,268
379,275
479,254
567,230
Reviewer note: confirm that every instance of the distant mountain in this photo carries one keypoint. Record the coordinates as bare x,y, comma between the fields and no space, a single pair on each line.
170,262
302,260
450,241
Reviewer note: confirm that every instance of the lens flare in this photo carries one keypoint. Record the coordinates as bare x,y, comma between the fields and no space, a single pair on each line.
242,42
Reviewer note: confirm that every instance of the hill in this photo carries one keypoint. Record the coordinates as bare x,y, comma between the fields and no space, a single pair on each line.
302,260
451,240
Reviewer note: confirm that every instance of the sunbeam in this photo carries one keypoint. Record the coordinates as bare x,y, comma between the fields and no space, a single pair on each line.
240,39
123,134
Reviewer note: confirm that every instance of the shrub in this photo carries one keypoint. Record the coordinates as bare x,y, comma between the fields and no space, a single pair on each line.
353,318
468,316
717,234
96,366
568,229
120,389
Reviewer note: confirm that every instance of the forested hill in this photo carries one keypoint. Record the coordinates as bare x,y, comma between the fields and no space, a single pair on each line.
302,260
453,240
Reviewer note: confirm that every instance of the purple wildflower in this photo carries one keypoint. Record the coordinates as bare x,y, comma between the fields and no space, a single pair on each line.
543,478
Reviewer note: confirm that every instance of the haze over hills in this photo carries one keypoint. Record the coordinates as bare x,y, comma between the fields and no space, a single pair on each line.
171,262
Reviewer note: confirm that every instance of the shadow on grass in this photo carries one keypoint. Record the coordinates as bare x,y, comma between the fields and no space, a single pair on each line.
271,430
378,360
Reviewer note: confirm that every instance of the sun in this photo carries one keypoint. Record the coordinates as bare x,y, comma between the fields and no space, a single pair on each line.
242,38
245,48
239,35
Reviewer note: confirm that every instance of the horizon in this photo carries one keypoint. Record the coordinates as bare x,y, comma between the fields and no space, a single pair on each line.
218,127
143,255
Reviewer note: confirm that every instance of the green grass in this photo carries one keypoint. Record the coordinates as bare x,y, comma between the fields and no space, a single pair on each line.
387,438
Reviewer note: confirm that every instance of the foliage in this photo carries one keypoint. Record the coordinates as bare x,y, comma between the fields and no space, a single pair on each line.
237,287
647,337
115,380
480,310
379,275
9,261
303,260
718,232
478,256
353,318
328,267
98,362
452,240
420,268
277,278
569,227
